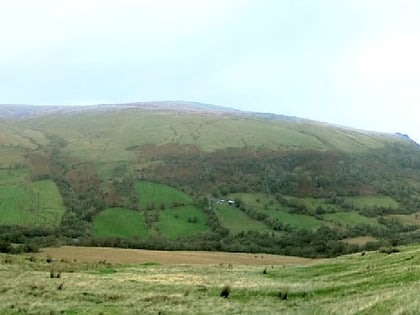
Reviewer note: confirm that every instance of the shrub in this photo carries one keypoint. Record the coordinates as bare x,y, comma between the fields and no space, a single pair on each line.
389,250
283,295
225,291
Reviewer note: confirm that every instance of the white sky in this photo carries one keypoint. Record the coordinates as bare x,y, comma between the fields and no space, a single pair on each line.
350,62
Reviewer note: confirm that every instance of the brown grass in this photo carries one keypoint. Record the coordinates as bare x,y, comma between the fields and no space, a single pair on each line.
134,256
411,219
360,240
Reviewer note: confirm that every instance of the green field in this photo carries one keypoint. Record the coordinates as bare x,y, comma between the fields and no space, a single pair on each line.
269,205
373,201
12,176
155,195
120,223
182,221
33,204
312,204
237,221
351,218
372,284
300,221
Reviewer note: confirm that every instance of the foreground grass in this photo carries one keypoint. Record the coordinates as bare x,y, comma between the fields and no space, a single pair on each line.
374,283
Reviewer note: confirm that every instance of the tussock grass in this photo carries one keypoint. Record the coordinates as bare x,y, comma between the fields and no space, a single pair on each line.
375,283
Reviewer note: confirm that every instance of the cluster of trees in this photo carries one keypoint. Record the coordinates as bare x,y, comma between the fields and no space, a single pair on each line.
17,239
298,173
325,242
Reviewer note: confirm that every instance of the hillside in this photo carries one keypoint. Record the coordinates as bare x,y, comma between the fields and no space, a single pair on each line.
178,175
81,280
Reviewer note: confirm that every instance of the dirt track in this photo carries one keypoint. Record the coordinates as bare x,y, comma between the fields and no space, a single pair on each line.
117,255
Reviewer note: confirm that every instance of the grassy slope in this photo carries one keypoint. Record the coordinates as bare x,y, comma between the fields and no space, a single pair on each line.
120,223
174,223
237,221
351,218
18,134
336,215
29,203
268,204
371,284
157,194
104,136
373,201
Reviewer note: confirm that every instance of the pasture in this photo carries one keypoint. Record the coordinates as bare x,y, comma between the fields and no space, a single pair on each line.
237,221
182,221
351,218
31,204
120,223
373,201
155,195
119,281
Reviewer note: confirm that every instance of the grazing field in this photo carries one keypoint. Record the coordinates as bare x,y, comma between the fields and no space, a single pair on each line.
300,221
31,204
351,218
267,204
237,221
12,176
409,219
182,221
155,195
120,223
118,281
373,201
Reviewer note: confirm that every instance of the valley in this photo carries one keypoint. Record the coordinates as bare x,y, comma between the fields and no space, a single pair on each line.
160,175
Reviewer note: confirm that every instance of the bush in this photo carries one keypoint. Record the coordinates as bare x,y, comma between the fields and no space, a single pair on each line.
5,247
389,250
225,291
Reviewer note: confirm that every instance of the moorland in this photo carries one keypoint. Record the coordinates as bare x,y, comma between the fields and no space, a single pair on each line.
86,280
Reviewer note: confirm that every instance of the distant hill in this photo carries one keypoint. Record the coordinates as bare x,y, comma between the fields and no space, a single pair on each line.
182,175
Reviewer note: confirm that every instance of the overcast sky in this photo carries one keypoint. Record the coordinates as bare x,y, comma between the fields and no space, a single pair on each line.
355,63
